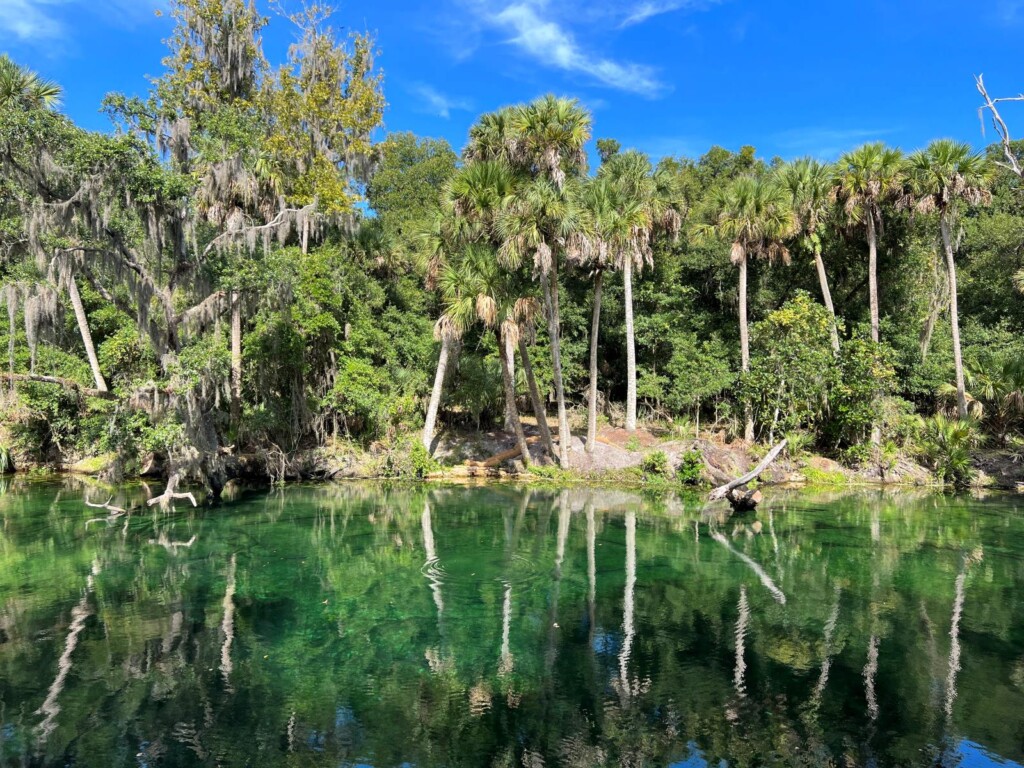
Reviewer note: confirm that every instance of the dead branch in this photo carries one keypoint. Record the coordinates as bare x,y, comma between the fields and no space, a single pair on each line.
723,490
168,497
1012,163
107,506
61,382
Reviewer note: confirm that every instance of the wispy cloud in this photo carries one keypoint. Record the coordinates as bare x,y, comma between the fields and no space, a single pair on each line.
30,20
638,14
41,21
827,143
552,45
436,103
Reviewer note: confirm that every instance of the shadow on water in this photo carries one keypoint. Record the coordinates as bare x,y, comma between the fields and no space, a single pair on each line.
500,626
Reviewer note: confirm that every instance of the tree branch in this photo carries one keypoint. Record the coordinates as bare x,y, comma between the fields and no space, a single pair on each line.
721,491
61,382
1012,162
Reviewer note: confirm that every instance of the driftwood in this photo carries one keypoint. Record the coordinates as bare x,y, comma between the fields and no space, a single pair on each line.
499,458
725,491
170,495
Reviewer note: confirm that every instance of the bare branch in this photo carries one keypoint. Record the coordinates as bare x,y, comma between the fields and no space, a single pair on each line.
61,382
1012,163
721,491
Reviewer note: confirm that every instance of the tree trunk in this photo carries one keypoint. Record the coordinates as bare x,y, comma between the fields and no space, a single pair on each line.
83,328
826,295
748,418
435,395
505,351
236,359
549,283
538,402
627,279
876,431
873,274
595,326
954,317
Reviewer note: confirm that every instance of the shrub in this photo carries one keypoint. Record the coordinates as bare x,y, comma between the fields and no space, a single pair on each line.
946,444
655,465
691,467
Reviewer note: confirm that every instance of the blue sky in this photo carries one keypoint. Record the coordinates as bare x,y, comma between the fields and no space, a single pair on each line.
672,77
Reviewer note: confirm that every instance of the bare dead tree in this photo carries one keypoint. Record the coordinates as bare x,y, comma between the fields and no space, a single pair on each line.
1012,161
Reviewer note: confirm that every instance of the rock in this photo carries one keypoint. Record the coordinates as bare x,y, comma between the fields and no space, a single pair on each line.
94,465
152,466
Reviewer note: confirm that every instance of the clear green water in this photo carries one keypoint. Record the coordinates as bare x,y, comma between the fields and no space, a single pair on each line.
366,626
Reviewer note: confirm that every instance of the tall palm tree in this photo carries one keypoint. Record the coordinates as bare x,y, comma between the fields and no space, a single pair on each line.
596,206
475,288
809,184
446,332
753,214
866,179
548,138
476,196
23,87
649,202
945,176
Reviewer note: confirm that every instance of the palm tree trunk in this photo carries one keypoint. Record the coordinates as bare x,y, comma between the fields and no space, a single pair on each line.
748,418
954,317
435,395
872,290
826,295
236,359
506,353
627,278
549,283
83,329
538,403
595,326
873,274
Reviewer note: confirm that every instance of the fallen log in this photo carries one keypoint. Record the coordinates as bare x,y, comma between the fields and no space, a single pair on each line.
499,458
60,382
722,491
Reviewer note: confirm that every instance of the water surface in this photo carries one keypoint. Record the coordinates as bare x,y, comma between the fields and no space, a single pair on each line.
358,625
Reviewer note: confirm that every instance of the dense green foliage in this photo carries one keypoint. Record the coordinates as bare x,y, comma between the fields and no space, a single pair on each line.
239,268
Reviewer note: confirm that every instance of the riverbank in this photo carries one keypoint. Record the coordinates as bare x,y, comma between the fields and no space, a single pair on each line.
647,457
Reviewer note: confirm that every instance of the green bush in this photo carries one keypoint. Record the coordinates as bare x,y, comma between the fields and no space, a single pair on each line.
946,444
691,467
655,465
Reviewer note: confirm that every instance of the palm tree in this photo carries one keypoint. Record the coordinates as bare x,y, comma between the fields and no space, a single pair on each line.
649,202
475,288
944,176
596,211
809,184
446,332
548,138
866,179
479,193
23,87
755,216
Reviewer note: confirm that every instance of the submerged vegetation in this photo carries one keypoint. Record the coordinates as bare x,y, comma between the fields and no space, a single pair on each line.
244,269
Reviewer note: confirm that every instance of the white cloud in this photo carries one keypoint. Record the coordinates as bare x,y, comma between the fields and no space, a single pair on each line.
436,103
552,45
30,20
41,21
651,8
